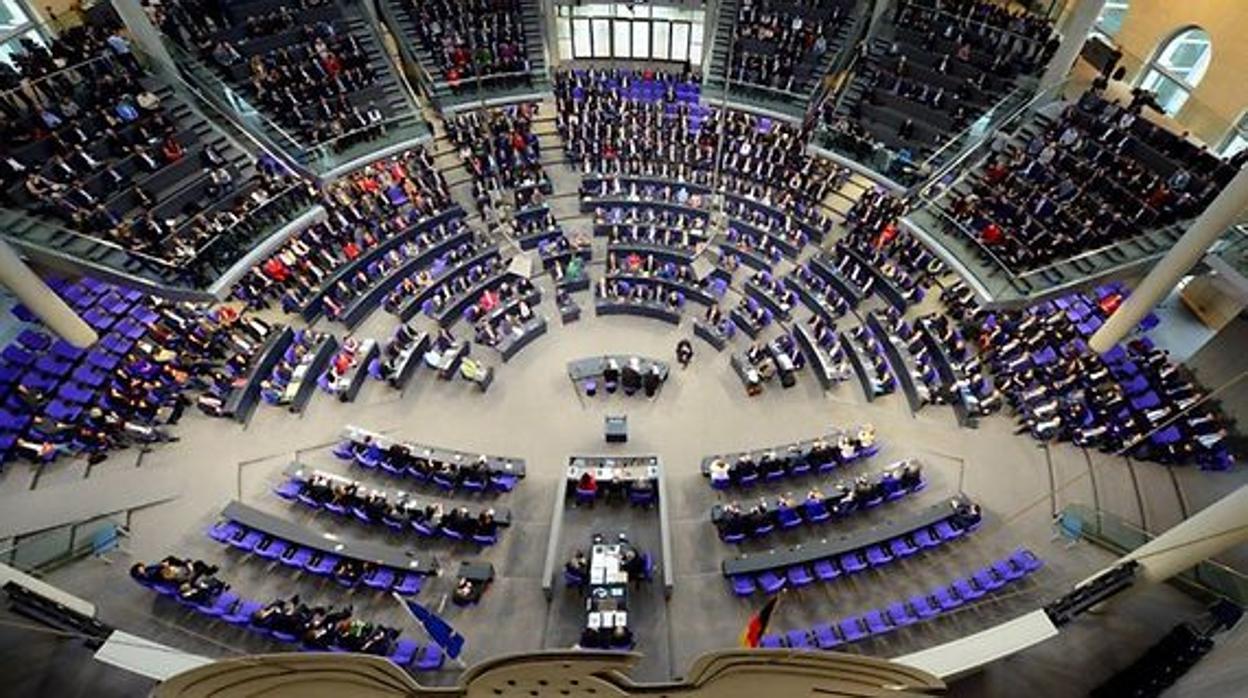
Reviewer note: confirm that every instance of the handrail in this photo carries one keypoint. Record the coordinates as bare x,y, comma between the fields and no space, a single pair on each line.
969,21
60,228
989,132
105,55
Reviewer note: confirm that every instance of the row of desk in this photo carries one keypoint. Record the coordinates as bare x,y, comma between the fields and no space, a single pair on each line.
348,385
242,401
520,337
408,360
364,304
778,560
884,286
819,359
965,405
312,309
614,469
498,465
651,309
412,305
397,559
863,368
904,367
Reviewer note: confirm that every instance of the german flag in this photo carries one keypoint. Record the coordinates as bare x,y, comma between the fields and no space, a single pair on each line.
757,625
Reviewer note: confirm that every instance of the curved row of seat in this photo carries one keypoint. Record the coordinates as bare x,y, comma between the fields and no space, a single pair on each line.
237,611
916,609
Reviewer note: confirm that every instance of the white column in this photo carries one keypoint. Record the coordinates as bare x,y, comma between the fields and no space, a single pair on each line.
1161,279
145,35
1219,526
41,300
1074,31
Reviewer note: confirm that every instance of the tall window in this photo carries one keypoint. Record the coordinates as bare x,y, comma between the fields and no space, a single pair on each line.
16,23
1236,139
1178,68
1109,22
642,32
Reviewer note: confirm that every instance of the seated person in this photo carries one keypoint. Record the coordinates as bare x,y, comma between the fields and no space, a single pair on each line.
468,591
578,566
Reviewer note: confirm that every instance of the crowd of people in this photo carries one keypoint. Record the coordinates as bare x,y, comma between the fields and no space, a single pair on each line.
780,44
193,581
88,140
783,511
387,199
307,76
1096,175
747,468
377,507
947,63
1132,400
503,155
472,38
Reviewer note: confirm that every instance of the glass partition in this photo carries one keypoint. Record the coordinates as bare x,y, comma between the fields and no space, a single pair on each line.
1113,532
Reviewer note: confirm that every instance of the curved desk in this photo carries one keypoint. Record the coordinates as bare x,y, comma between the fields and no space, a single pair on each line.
778,561
311,309
691,293
242,401
329,544
348,386
511,345
450,313
650,309
905,370
593,366
661,253
364,304
410,306
811,298
824,269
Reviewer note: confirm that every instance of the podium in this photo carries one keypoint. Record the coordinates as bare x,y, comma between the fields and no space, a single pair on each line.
615,428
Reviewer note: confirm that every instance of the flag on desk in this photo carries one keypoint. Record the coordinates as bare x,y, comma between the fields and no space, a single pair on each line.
439,631
757,625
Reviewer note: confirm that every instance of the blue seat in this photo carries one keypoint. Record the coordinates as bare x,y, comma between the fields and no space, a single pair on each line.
825,570
247,542
1007,571
368,456
504,482
825,636
770,582
922,607
404,652
816,511
876,622
1026,560
742,585
852,629
899,615
345,450
986,580
877,556
409,585
924,538
771,642
242,613
431,659
946,531
324,566
273,550
900,547
382,578
799,639
788,517
852,562
223,603
296,557
965,590
799,576
946,598
223,531
733,538
289,490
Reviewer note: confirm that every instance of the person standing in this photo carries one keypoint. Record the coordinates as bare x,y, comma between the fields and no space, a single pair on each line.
684,352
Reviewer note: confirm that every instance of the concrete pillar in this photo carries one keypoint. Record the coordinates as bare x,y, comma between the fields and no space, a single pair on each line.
41,300
1074,31
1189,250
1218,527
145,37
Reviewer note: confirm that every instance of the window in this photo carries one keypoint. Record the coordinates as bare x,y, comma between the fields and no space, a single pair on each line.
16,23
1109,22
641,32
1178,68
1236,139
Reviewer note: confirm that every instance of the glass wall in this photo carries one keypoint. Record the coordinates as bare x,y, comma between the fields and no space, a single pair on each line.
634,32
17,22
1237,139
1109,22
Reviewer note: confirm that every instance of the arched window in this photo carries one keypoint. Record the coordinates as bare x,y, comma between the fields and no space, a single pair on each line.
1109,22
1178,68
